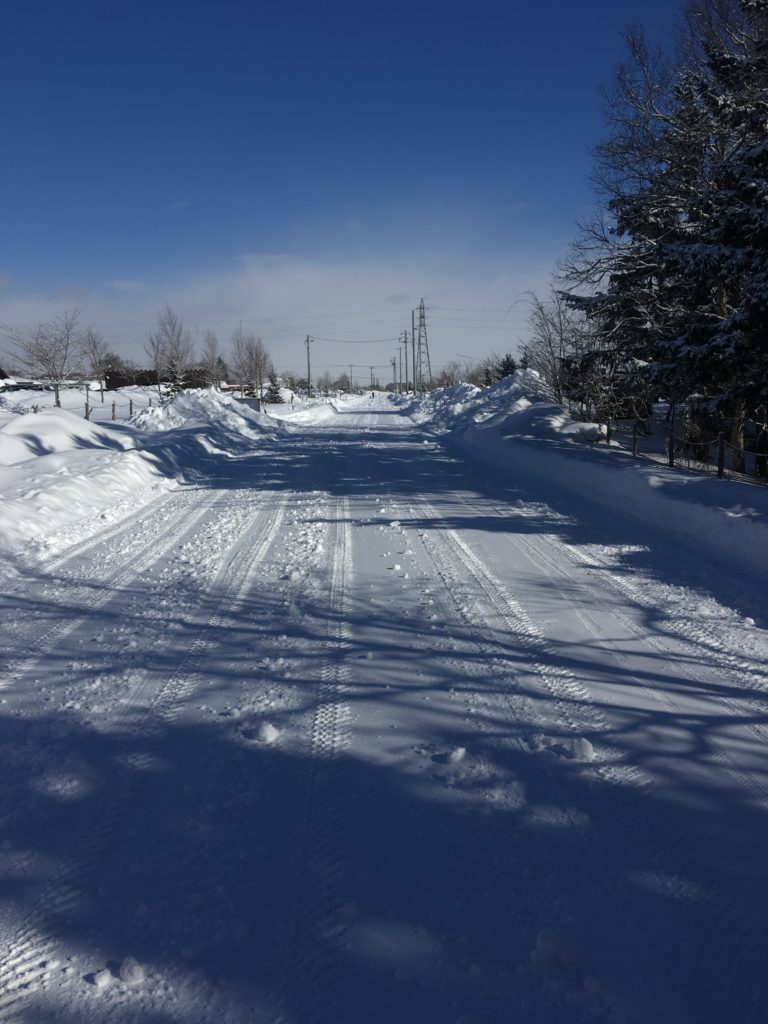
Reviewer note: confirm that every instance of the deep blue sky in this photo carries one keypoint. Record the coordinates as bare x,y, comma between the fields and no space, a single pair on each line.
290,164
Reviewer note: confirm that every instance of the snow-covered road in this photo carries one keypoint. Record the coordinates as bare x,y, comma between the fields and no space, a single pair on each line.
353,731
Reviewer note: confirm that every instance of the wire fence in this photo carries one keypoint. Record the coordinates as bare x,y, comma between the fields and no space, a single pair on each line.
716,457
103,411
129,406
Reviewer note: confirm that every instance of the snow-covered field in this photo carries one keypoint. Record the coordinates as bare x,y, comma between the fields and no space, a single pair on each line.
386,711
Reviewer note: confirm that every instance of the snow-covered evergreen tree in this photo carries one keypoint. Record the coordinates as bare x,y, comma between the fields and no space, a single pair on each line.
673,277
505,367
273,396
722,348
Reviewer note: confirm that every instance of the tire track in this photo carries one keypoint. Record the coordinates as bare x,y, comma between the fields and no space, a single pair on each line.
464,581
689,635
684,877
742,776
687,632
27,961
678,651
148,549
315,933
87,545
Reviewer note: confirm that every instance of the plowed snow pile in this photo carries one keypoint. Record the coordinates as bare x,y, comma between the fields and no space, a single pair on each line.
58,469
517,428
522,404
205,409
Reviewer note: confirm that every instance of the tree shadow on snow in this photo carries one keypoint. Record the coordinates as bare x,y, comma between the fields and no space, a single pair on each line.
488,868
254,877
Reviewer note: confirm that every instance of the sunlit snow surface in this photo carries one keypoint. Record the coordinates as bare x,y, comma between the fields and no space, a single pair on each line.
376,710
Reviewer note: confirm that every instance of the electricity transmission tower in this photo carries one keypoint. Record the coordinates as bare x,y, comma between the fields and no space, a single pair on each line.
422,350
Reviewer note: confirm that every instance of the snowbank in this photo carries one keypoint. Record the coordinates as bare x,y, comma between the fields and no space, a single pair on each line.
57,468
207,409
522,404
310,411
26,435
517,427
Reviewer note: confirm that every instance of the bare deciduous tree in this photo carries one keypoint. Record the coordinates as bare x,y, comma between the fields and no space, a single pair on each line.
210,359
250,362
96,356
170,349
450,374
556,336
49,351
153,346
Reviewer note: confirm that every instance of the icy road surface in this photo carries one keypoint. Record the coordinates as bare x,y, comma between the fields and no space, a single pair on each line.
349,732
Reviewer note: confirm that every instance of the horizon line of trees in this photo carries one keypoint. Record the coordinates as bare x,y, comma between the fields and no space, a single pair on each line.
61,350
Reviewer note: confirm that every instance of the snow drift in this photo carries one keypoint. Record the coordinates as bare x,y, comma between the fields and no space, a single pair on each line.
205,409
516,427
57,468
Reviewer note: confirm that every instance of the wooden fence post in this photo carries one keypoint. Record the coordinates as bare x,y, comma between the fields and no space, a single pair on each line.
114,410
130,407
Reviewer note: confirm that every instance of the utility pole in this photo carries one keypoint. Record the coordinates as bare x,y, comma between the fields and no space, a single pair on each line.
372,378
400,368
393,360
405,353
413,346
309,378
350,377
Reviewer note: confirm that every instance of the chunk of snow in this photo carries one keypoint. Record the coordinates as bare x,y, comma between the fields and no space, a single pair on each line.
131,972
102,979
582,749
268,734
457,755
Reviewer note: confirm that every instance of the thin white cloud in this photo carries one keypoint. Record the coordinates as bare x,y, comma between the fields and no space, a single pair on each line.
285,297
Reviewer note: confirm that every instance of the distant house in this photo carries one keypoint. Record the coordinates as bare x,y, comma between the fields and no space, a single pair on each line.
17,384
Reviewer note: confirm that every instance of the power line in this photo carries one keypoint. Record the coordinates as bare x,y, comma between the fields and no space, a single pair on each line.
478,327
467,309
368,341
